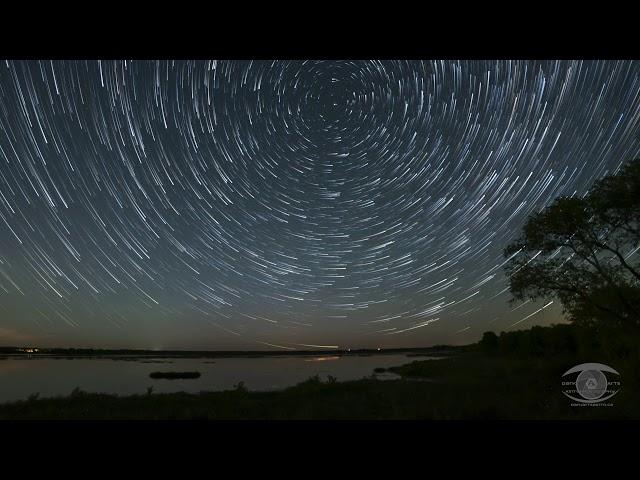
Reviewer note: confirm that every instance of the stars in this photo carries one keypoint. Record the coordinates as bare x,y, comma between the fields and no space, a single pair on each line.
290,203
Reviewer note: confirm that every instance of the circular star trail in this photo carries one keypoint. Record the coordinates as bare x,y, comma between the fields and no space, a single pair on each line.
288,203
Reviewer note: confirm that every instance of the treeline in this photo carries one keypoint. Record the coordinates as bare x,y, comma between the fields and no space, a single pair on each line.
564,340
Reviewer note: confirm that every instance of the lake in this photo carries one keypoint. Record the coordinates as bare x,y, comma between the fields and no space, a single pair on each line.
50,376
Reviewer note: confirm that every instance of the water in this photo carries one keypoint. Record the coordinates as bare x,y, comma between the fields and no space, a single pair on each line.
50,377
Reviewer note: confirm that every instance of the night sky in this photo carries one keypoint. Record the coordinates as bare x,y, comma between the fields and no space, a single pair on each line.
288,204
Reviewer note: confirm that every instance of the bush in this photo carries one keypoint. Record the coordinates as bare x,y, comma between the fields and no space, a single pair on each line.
240,387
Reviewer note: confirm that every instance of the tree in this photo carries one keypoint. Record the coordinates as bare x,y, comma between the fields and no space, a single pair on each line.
584,252
489,342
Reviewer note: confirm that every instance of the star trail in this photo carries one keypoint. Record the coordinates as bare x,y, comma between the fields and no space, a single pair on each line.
288,204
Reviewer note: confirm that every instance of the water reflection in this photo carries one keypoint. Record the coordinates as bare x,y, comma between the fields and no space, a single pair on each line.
21,377
320,359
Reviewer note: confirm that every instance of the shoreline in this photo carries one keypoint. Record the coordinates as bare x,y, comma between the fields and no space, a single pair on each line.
145,354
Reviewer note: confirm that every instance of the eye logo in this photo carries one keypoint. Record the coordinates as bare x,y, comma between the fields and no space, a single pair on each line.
590,387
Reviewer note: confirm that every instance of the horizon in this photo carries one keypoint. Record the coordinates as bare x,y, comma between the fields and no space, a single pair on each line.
347,350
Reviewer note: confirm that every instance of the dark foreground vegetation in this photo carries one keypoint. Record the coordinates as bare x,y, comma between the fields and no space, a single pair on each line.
515,375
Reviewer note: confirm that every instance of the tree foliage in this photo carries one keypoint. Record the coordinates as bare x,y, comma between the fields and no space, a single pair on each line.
584,252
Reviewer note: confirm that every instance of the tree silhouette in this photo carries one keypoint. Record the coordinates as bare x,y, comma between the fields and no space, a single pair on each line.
584,251
489,342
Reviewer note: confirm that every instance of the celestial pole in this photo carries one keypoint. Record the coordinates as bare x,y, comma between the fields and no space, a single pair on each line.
283,204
